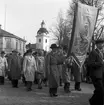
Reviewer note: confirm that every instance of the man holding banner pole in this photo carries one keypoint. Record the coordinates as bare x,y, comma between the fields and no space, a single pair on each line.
82,32
96,70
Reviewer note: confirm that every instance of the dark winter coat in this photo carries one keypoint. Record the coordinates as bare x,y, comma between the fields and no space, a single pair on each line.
95,64
52,72
14,65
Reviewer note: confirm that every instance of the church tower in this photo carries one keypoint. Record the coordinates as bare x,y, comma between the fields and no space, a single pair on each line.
42,38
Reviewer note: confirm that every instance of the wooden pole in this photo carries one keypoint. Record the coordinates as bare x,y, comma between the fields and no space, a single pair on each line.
93,44
73,31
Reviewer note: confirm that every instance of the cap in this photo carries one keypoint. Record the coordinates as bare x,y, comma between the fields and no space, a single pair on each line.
2,52
53,46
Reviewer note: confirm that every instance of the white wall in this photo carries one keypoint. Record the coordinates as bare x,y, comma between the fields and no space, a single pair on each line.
12,44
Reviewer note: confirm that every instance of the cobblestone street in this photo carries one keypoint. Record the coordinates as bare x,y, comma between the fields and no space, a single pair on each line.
19,96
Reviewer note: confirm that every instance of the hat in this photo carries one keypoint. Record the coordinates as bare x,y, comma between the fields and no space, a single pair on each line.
15,51
29,51
35,53
2,52
53,46
99,41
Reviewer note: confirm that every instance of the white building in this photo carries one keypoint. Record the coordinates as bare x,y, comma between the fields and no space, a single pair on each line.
42,38
9,42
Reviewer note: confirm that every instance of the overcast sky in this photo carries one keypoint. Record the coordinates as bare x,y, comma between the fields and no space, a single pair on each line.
23,17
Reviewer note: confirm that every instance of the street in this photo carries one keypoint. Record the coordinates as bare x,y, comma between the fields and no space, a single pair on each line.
19,96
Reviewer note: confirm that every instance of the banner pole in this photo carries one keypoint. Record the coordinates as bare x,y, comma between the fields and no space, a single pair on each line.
93,45
73,31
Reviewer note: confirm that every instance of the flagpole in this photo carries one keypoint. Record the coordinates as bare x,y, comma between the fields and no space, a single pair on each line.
73,31
93,45
5,18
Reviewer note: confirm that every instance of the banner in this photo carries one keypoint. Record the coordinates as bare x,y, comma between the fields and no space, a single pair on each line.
84,28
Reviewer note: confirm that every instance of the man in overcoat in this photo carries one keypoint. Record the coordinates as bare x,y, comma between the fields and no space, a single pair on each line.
96,69
52,72
14,66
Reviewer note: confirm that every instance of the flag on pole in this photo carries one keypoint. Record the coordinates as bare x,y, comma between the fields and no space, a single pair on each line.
85,20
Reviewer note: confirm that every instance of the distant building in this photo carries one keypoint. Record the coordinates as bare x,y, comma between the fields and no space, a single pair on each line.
32,46
9,42
42,38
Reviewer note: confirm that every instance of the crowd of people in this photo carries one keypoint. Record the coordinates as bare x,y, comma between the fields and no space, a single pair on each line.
52,69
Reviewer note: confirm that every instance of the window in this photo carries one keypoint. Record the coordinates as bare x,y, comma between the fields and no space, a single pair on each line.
20,45
46,40
16,44
39,40
8,42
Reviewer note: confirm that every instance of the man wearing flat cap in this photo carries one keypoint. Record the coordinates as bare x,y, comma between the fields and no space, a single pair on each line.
96,66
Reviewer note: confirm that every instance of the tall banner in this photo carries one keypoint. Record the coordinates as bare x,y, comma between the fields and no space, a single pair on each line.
85,20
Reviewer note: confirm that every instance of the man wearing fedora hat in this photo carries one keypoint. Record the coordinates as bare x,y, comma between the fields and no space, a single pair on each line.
52,73
96,66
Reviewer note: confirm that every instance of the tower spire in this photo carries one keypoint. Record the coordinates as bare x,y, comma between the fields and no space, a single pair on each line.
42,24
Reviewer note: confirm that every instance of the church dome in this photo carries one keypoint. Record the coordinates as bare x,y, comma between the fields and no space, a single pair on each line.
42,29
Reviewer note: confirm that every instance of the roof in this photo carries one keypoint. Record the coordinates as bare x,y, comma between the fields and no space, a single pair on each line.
42,30
32,46
4,33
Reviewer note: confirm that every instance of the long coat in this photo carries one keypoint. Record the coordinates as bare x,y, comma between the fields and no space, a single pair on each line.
76,72
3,66
14,65
52,72
66,74
29,68
65,70
95,64
40,67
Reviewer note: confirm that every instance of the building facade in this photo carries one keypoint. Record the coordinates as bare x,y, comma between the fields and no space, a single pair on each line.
9,42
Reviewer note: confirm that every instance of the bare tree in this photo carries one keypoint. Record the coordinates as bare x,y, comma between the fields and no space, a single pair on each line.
63,27
99,27
59,29
96,3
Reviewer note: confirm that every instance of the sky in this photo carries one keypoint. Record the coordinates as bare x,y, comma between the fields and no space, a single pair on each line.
23,17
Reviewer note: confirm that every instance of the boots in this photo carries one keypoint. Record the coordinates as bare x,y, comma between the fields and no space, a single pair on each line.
29,85
39,84
67,87
1,80
53,92
77,86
